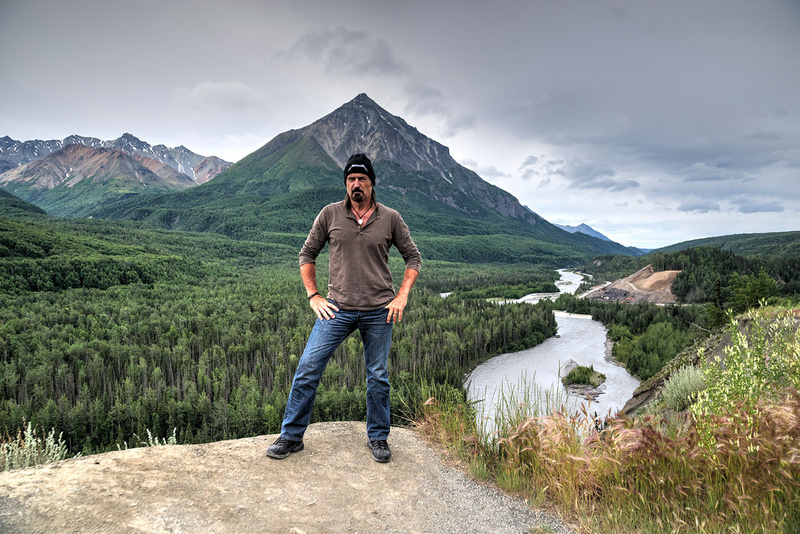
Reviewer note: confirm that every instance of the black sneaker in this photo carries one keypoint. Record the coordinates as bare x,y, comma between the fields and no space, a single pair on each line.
380,451
283,448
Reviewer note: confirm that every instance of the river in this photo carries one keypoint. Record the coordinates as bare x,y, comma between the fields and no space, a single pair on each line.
536,370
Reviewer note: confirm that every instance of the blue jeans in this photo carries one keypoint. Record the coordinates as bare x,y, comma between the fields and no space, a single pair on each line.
326,336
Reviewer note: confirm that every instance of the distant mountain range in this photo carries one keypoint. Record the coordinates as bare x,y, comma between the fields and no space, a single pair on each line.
275,192
75,180
583,229
199,168
78,175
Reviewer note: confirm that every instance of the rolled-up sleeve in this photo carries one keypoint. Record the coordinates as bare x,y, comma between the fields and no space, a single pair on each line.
316,239
401,238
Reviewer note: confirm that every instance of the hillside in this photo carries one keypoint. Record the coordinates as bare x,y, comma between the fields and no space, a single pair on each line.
645,285
13,206
282,186
775,243
715,346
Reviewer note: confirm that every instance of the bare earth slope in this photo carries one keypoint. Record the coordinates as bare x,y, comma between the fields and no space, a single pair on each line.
231,486
645,285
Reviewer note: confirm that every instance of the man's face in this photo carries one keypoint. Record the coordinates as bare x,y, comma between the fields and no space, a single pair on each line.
359,187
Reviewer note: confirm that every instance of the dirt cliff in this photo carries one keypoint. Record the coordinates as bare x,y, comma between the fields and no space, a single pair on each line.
231,486
645,285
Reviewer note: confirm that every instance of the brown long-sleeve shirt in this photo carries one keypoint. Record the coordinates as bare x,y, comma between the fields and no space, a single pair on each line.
359,257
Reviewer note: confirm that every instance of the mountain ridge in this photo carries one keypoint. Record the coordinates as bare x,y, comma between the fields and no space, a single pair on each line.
764,243
74,180
15,153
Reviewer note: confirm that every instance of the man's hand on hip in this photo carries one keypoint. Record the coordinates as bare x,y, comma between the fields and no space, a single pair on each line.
396,307
322,307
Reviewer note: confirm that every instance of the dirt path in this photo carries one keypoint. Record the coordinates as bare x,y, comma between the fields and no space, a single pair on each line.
231,486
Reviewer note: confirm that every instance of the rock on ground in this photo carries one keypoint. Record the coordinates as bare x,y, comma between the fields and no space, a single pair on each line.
232,486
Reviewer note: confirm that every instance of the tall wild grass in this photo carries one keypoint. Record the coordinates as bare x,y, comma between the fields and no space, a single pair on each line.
27,449
731,469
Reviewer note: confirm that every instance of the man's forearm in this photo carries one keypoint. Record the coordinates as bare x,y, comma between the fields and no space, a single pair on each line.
409,277
308,273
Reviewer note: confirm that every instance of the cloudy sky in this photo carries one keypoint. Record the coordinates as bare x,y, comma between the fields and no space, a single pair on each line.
654,122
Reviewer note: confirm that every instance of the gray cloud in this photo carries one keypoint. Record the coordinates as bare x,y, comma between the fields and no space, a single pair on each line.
540,167
700,172
578,173
345,52
424,99
698,206
789,158
486,172
219,96
622,186
746,205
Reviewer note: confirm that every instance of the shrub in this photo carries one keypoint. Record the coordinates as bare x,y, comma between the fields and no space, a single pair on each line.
681,389
762,361
27,450
584,376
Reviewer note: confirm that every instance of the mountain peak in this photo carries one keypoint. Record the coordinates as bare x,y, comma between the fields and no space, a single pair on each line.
583,228
406,161
361,100
361,125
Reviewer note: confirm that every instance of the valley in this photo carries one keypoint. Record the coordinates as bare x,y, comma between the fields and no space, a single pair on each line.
178,311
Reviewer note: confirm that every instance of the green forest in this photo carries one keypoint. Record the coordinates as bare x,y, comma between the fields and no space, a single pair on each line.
109,330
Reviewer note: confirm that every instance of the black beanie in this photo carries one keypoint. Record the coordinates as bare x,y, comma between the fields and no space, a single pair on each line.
359,163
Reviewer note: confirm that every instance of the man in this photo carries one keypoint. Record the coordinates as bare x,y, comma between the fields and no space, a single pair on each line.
359,232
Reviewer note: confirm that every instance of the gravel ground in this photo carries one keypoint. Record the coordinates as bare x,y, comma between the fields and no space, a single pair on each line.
231,486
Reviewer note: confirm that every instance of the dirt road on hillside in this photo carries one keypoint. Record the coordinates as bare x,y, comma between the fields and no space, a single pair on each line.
645,285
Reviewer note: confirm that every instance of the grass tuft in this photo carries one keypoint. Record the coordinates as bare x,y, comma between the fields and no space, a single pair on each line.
27,449
681,389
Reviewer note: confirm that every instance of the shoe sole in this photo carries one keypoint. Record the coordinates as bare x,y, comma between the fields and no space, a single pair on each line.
296,448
